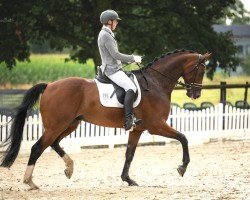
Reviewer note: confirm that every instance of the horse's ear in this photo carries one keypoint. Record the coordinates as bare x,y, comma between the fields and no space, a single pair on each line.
206,56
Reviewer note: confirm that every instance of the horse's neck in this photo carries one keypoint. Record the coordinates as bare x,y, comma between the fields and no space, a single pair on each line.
170,72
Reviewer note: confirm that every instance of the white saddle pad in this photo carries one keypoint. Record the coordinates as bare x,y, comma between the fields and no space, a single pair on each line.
106,90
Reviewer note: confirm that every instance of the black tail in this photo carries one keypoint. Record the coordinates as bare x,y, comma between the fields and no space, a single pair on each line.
16,131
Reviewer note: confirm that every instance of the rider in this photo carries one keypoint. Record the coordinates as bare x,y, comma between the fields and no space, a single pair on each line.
112,61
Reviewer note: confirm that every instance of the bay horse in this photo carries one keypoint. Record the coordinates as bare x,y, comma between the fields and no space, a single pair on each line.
65,103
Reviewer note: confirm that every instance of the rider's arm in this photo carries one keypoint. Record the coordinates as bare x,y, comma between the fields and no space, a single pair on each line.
111,46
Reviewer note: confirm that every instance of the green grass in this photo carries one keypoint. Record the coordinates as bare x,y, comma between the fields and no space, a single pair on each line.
45,68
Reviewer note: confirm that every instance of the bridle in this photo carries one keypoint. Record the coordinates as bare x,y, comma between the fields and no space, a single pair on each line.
189,86
193,85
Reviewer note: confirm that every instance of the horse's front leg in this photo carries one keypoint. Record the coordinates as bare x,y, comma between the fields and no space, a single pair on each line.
133,139
163,129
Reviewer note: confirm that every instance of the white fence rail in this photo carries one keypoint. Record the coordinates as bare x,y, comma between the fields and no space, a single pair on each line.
198,126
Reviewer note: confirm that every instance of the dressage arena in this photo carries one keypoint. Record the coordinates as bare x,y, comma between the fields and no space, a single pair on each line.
218,170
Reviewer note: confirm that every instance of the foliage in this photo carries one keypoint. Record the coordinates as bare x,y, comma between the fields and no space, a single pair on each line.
149,27
237,13
45,68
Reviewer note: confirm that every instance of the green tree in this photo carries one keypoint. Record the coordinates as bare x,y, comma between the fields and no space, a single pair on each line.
149,27
237,13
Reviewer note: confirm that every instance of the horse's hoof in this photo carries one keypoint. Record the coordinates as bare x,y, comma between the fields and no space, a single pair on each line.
32,185
181,170
68,173
129,180
33,188
133,183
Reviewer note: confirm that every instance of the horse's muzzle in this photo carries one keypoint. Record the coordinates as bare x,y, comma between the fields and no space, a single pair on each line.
194,94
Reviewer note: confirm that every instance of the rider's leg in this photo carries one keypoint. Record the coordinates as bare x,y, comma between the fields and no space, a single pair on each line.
122,80
128,109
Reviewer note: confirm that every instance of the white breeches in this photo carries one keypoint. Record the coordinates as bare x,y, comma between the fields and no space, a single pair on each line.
122,80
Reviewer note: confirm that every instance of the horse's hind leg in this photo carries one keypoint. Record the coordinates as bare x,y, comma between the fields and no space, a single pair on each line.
133,139
36,151
68,161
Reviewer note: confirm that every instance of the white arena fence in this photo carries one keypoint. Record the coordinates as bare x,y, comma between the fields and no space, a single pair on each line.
199,127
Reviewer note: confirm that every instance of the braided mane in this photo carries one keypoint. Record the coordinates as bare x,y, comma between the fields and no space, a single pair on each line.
168,54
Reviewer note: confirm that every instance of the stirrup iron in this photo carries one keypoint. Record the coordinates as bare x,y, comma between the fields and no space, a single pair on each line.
135,123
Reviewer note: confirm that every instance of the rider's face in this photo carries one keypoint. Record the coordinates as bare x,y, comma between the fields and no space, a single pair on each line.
114,24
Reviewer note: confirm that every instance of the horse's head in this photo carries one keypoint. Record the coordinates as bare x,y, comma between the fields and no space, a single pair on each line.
193,74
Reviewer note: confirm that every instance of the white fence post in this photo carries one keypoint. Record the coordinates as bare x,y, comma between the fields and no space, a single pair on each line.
220,117
4,129
111,142
40,126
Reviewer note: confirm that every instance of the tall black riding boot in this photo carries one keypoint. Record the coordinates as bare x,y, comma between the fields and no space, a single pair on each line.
128,108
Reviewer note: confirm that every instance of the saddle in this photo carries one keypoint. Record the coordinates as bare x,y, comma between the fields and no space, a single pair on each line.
118,91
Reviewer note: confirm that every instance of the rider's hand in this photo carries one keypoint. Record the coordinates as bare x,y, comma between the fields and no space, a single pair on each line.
137,59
